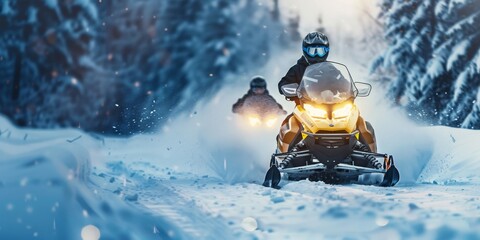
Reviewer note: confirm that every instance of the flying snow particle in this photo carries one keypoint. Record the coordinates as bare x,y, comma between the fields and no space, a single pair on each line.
24,182
249,224
70,175
9,207
381,222
29,209
90,232
124,180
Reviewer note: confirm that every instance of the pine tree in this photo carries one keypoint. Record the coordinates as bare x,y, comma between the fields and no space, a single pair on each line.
293,25
400,36
124,67
320,27
459,53
127,48
182,54
45,49
434,50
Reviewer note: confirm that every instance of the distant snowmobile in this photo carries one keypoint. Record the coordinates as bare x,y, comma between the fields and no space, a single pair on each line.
258,106
329,146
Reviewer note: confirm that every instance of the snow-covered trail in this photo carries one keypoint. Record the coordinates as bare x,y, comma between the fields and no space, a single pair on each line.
53,183
139,183
45,190
213,169
304,209
198,179
438,197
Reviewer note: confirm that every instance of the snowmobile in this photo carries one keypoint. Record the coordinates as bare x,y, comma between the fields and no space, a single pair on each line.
261,110
329,146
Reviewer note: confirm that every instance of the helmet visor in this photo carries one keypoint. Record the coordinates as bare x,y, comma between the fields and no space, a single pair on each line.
313,51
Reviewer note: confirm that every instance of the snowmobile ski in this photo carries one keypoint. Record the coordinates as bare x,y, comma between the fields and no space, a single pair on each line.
392,176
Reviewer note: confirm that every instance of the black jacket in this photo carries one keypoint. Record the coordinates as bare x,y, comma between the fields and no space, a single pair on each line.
238,106
294,74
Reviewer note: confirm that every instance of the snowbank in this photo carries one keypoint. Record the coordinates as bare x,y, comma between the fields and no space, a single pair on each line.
455,157
45,190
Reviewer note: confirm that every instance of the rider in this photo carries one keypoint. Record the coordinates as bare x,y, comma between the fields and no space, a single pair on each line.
258,87
315,49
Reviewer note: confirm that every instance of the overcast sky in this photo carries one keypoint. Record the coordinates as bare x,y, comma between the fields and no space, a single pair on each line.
343,15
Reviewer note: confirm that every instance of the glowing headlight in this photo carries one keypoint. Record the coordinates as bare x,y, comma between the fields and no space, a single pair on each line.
270,122
315,112
254,120
343,111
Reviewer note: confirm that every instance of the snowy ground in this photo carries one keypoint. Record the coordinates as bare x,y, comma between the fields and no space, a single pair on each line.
198,178
53,184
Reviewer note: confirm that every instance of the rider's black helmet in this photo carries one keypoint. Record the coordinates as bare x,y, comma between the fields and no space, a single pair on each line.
258,82
315,47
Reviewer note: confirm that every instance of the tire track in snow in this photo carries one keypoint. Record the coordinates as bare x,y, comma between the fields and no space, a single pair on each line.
158,196
185,214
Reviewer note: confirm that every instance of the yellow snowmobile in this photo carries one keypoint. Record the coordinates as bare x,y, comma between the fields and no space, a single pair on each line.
329,146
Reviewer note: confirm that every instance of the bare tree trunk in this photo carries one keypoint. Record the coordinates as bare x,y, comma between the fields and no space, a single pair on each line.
17,74
276,11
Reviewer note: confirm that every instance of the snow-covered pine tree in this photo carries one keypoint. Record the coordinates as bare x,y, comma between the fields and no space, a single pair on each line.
179,40
293,28
240,36
128,50
399,56
44,47
157,57
166,56
460,54
320,26
434,49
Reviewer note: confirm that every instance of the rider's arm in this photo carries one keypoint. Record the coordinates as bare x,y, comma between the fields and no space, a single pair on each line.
238,105
290,77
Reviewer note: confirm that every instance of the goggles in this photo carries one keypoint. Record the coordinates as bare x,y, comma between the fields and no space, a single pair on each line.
313,51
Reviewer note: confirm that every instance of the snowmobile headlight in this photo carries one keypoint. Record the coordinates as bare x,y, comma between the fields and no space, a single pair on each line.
315,111
343,112
271,121
254,120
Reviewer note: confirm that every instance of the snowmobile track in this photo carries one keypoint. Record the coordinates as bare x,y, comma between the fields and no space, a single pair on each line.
185,214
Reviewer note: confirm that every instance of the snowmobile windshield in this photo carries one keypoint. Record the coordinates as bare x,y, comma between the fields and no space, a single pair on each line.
326,83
